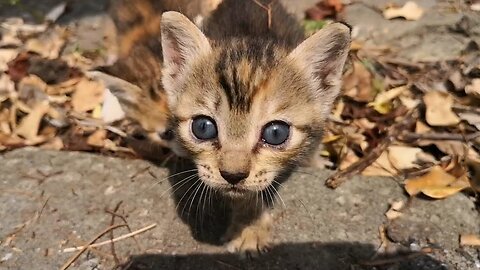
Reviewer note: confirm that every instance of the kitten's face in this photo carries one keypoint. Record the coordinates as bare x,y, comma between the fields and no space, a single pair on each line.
248,111
246,119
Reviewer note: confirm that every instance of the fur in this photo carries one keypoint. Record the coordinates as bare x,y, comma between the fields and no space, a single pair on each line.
245,68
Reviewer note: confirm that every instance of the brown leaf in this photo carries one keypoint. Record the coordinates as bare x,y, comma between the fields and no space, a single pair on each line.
473,88
439,109
470,239
410,11
403,157
437,184
381,167
88,95
6,55
30,124
48,44
358,84
97,139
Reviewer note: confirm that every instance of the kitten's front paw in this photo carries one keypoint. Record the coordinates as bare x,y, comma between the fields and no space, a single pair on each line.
251,240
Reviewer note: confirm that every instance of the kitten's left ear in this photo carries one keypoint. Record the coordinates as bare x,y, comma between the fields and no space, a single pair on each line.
182,43
322,57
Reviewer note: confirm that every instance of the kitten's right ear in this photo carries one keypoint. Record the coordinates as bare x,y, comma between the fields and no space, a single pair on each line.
182,42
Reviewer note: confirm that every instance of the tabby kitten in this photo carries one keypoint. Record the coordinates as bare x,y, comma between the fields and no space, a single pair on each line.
247,100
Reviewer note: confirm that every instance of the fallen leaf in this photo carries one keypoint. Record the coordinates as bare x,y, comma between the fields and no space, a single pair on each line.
97,139
473,88
348,159
111,109
470,240
324,9
403,157
358,84
439,109
409,103
421,128
437,184
48,44
394,211
381,167
88,95
6,55
410,11
471,118
389,95
30,124
56,12
55,143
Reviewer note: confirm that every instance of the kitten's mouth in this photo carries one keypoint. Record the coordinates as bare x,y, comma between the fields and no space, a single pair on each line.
235,191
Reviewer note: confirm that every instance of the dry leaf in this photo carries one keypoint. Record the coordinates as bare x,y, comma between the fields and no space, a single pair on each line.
381,167
348,159
30,124
471,118
437,184
394,211
403,157
473,88
439,109
97,139
409,103
55,143
6,55
48,44
469,240
421,128
88,95
410,11
389,95
111,110
358,84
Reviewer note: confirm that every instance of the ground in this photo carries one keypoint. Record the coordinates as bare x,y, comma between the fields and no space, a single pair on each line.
52,200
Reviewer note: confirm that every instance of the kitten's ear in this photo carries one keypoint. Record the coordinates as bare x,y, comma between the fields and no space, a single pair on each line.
182,42
322,57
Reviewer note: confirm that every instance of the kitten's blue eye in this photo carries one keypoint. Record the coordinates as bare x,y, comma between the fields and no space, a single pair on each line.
275,133
204,128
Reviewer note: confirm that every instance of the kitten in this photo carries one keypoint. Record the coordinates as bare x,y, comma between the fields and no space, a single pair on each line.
136,75
247,99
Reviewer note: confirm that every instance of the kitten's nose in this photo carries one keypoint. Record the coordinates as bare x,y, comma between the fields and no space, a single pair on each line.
234,178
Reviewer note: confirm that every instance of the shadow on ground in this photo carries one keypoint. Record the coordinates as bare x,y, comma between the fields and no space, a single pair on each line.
331,256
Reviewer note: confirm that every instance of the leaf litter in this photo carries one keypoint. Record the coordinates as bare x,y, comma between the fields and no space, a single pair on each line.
416,121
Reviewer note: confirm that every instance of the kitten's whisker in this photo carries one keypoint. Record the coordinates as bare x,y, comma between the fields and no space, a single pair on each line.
185,194
170,176
193,198
278,193
182,182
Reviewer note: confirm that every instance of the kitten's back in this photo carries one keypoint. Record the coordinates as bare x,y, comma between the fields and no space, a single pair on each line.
251,19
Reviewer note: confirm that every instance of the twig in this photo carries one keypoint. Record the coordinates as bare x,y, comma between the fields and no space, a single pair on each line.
128,228
112,222
341,176
267,8
439,136
125,236
83,248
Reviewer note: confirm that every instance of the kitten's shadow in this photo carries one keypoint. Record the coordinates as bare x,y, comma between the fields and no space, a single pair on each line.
301,256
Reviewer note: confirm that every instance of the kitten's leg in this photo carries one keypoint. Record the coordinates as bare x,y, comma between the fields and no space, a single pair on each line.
249,231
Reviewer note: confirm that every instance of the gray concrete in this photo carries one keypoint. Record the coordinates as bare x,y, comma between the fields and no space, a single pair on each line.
318,228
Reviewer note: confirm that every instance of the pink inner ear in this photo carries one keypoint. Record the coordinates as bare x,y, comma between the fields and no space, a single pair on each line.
173,58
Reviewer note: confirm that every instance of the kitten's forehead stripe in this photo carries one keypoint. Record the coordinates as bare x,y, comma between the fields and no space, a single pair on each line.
242,70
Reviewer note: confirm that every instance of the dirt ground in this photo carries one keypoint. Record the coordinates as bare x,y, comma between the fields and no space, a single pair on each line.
50,200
